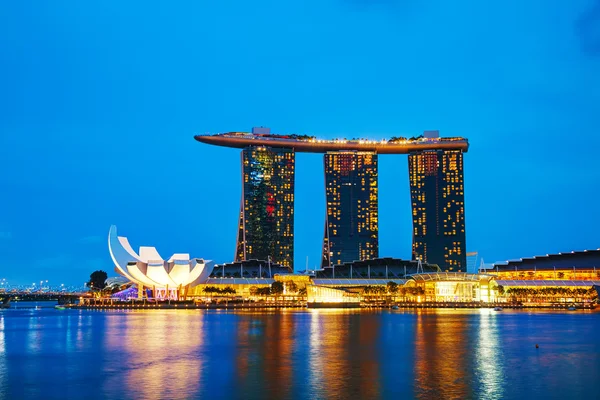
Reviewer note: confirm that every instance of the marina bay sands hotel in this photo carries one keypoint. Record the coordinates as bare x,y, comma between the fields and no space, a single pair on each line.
266,223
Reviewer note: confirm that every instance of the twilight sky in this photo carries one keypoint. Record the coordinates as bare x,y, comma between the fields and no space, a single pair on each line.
100,101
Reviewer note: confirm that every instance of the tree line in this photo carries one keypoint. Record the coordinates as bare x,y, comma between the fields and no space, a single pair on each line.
393,288
277,288
216,290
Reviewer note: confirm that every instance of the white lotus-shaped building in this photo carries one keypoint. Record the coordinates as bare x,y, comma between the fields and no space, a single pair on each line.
167,279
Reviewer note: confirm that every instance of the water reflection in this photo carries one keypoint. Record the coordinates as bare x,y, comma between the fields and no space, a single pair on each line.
3,372
441,356
160,348
343,354
34,333
170,354
2,345
488,357
264,360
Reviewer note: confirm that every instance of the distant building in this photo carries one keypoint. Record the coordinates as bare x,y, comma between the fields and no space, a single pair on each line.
438,208
351,226
266,223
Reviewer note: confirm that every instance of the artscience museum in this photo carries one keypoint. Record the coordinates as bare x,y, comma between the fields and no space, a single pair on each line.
166,279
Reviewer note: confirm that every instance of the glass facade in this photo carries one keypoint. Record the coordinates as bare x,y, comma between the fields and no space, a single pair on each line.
351,226
438,208
266,224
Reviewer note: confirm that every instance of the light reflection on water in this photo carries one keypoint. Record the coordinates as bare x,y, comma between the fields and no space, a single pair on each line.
177,354
2,345
442,362
3,366
488,357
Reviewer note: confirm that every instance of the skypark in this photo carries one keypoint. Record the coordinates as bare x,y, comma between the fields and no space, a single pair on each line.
310,144
266,222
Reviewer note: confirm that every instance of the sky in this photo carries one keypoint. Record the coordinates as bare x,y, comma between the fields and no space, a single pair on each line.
100,101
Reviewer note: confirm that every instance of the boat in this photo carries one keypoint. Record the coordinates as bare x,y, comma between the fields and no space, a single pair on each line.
572,308
497,308
395,307
60,307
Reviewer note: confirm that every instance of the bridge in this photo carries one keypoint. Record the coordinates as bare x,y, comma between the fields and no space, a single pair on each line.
42,296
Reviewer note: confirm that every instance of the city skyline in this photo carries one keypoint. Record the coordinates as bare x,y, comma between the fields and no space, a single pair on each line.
101,105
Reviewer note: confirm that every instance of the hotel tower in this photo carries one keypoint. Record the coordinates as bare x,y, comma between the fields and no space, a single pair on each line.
438,207
266,223
351,225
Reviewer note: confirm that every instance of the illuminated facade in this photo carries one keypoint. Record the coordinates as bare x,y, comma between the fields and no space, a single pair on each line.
165,279
351,171
351,226
438,208
456,287
311,144
574,265
321,296
266,223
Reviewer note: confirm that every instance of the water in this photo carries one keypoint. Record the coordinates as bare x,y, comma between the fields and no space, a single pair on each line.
302,354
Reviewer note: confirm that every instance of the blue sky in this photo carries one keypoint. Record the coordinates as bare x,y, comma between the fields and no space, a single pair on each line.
100,102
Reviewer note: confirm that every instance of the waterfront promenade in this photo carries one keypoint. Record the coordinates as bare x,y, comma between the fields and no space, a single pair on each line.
99,305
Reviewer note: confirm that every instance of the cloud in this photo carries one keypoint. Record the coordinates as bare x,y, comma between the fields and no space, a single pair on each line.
587,28
5,235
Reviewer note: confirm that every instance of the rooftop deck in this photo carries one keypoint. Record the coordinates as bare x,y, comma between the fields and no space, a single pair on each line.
307,144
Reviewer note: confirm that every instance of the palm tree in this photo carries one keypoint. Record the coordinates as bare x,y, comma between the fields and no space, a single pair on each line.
291,286
209,289
302,292
253,290
276,288
392,287
500,290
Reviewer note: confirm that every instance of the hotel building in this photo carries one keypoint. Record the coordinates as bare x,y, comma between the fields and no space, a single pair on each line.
266,222
438,207
351,225
351,228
